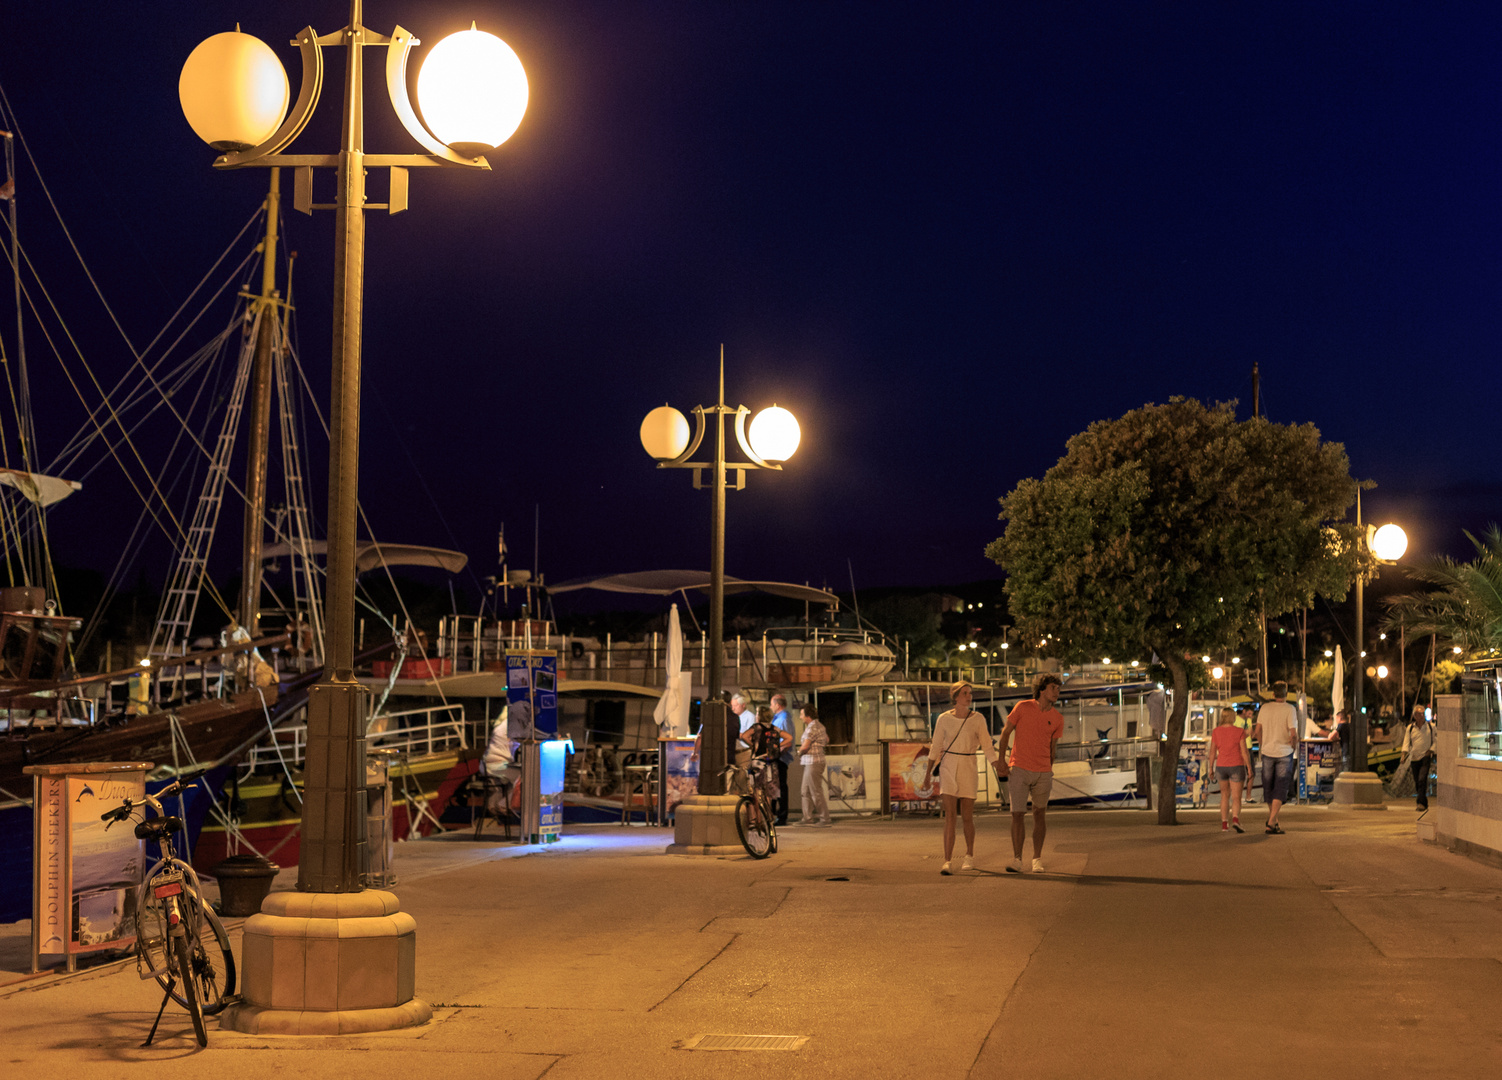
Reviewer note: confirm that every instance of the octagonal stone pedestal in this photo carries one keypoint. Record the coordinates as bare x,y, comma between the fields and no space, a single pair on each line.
1358,791
705,825
328,964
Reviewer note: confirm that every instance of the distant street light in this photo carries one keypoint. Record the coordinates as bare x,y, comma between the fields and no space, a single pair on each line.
773,438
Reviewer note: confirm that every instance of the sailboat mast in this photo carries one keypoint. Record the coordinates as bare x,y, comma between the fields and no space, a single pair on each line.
260,419
32,570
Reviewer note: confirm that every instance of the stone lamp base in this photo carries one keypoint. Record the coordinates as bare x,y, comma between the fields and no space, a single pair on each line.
1358,791
705,825
328,964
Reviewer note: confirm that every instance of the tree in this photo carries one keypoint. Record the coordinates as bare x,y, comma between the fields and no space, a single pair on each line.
1465,604
1170,529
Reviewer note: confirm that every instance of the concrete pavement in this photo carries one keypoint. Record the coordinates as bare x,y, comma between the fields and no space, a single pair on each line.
1343,948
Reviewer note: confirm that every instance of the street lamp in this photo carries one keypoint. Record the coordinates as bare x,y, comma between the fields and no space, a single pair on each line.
773,438
234,94
1384,545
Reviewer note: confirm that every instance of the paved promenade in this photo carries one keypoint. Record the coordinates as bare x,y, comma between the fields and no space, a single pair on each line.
1345,948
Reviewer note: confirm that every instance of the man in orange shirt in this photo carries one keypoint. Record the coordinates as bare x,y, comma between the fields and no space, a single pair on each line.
1029,769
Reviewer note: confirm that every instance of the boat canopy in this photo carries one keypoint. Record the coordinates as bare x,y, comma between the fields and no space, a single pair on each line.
368,555
668,582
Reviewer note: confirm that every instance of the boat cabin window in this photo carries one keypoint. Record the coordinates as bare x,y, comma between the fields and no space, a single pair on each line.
606,721
836,713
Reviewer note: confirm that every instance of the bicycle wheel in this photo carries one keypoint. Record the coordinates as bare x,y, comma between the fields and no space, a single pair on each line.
212,960
755,835
182,948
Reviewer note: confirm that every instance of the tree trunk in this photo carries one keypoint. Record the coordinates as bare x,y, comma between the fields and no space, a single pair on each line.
1168,768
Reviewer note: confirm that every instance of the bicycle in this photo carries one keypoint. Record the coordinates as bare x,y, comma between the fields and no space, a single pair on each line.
193,968
755,818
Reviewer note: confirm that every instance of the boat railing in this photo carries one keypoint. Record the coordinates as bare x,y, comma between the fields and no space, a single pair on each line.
1107,755
418,732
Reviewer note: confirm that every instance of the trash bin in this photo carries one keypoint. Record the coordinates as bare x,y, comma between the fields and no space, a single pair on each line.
244,881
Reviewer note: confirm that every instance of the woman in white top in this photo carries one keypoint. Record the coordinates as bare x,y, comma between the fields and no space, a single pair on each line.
958,734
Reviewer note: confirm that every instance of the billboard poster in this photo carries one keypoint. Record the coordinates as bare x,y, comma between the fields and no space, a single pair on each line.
86,872
845,776
532,692
907,764
550,790
1317,757
1192,783
680,773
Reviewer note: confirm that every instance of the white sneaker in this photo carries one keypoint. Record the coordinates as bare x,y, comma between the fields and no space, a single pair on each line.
1038,866
945,870
968,864
1015,866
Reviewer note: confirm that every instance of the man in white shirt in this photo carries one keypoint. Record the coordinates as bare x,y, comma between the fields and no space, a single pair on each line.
1277,736
1418,744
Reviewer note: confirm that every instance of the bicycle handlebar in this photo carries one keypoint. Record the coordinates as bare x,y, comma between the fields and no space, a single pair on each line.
123,811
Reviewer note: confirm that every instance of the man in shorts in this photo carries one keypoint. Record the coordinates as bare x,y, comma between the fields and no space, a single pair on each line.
1277,734
1028,769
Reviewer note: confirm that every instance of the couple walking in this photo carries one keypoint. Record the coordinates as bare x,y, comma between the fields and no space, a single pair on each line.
1027,766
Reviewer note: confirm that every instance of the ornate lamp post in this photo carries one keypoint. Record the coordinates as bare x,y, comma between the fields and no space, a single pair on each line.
234,94
1359,787
773,438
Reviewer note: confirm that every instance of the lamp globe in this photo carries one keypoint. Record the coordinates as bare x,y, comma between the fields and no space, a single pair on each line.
234,91
664,433
1389,543
774,434
472,90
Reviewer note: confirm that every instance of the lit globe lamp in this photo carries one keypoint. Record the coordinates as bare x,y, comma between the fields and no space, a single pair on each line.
774,434
472,90
664,433
233,91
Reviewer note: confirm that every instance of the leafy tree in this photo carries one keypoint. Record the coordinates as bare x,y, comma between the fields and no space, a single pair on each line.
1169,529
1464,605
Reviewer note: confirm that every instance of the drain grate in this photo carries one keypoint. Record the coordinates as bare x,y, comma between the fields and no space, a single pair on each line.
745,1042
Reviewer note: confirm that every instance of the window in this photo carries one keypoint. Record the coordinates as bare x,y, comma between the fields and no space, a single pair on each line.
1480,716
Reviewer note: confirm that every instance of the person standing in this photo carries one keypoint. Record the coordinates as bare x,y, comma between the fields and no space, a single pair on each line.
1232,764
1029,769
811,757
767,743
958,734
744,717
783,722
1418,744
1277,740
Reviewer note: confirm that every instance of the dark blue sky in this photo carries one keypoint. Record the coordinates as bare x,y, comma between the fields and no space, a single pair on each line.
946,236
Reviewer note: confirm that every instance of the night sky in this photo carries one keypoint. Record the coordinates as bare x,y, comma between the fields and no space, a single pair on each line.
947,236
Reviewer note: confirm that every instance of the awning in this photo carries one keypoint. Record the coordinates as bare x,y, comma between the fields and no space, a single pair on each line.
368,556
668,582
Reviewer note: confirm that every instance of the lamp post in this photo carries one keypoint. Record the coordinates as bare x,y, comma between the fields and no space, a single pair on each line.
773,438
1359,786
234,93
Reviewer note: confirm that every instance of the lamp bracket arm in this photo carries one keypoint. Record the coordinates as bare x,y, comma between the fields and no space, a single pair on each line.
302,111
681,461
396,88
741,412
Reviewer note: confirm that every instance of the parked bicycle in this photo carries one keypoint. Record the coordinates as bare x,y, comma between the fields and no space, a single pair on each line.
755,816
180,941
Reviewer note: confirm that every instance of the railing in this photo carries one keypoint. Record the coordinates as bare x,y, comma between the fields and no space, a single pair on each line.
430,736
1118,753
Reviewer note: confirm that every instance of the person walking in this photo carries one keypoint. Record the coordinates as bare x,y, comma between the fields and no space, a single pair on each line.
783,722
1232,763
811,757
1277,735
1029,769
958,734
1418,745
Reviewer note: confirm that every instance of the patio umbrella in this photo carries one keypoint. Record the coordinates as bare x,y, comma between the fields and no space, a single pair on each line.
671,712
1338,687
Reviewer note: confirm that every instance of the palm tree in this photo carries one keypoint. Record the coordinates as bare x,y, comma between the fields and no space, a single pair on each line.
1465,604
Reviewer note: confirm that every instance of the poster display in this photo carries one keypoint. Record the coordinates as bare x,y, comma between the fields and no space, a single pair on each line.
907,766
680,774
1192,783
845,776
85,873
550,790
1317,758
532,692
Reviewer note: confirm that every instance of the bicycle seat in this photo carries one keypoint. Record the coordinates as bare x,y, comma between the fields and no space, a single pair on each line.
158,827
